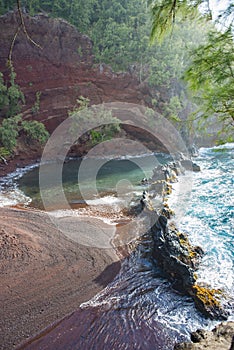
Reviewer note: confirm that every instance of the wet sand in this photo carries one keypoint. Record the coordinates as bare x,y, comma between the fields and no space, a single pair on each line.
44,274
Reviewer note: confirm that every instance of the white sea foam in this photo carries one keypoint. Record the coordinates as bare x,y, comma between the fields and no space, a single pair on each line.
62,213
10,178
10,194
179,199
107,200
13,197
204,150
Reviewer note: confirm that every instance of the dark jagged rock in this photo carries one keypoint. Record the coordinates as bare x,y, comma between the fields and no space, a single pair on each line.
193,150
179,260
177,168
163,176
220,338
196,167
176,256
165,173
158,174
188,164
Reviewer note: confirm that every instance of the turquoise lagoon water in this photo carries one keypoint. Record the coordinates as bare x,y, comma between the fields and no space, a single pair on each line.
101,183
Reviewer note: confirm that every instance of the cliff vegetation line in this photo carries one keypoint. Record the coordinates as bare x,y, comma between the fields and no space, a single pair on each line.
162,74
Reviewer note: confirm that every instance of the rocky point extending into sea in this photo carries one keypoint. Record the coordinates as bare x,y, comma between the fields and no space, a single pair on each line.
172,250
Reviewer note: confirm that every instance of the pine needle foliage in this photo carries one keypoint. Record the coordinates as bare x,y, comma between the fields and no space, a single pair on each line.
166,12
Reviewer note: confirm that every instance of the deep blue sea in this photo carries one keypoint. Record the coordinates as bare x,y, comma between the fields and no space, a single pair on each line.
209,218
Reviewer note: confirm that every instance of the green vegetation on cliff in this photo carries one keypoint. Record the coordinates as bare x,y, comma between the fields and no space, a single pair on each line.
11,97
95,124
120,31
210,74
211,77
12,123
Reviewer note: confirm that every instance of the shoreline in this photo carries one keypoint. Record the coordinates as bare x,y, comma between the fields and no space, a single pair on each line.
29,266
54,324
19,161
24,160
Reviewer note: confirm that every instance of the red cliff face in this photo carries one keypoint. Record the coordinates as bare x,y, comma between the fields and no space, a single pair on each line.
62,70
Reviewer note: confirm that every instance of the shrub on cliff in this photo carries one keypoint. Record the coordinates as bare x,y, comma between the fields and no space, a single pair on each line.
35,131
9,132
11,96
11,127
95,123
11,99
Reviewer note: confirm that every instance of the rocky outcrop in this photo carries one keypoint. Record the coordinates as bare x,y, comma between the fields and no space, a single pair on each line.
62,69
189,165
220,338
176,256
179,260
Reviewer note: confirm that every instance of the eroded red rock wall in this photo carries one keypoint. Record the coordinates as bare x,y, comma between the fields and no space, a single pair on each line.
62,70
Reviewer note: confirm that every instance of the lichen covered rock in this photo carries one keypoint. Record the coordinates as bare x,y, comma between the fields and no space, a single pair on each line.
208,301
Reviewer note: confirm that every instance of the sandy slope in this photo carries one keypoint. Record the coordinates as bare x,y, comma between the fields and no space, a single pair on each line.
44,275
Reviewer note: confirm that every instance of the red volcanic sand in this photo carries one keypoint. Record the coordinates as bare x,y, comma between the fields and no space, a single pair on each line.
44,275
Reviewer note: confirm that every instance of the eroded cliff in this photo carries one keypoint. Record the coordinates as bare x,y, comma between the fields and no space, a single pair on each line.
62,70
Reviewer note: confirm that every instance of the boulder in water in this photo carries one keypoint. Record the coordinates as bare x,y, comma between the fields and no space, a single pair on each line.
188,164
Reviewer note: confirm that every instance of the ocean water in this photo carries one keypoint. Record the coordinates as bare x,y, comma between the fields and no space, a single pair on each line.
209,219
140,309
